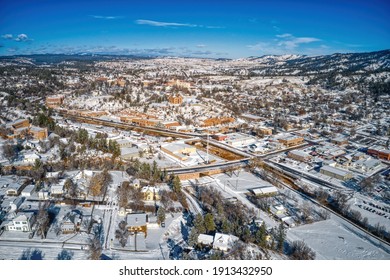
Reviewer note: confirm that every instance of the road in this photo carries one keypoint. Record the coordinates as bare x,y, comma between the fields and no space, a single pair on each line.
193,204
209,167
297,174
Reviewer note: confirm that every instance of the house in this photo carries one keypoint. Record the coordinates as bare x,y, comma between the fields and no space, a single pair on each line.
224,242
21,222
150,193
14,189
205,239
57,190
289,221
11,204
38,133
277,209
28,191
31,158
52,175
176,99
137,223
43,195
71,222
18,124
136,184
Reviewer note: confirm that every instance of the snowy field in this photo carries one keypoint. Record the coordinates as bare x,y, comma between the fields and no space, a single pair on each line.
241,181
335,241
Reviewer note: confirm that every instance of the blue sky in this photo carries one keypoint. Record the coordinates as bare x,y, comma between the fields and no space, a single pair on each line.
227,28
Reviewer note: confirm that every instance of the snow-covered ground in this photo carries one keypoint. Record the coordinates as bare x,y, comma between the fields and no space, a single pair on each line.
333,240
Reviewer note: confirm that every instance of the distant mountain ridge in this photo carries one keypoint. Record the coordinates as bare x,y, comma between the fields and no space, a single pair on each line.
336,71
341,62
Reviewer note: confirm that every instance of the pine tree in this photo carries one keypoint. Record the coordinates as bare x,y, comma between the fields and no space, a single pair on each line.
199,224
280,237
176,185
209,223
160,215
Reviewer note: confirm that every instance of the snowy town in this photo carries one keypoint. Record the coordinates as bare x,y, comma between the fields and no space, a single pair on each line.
182,158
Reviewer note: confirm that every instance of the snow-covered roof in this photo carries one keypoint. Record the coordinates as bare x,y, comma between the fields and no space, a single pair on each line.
224,241
23,217
205,239
136,219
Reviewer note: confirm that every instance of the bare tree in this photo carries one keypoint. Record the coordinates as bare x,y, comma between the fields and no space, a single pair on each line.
95,248
123,194
300,251
9,151
306,211
165,200
122,234
43,220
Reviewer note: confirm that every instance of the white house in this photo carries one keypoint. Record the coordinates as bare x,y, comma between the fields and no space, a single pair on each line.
43,195
30,158
28,191
11,204
224,242
278,209
56,189
71,222
205,239
22,222
14,189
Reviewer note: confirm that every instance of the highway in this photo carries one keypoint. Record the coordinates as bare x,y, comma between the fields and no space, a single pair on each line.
209,167
297,174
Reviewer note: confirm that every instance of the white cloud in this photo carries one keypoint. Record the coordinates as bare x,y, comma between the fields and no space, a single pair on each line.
292,43
22,38
283,44
106,17
163,24
7,36
19,38
174,24
201,46
285,35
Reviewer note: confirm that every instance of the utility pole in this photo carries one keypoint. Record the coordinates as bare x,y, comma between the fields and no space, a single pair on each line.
207,158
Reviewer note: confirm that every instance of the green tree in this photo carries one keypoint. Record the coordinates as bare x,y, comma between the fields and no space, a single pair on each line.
209,223
280,237
160,215
199,224
176,184
260,236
